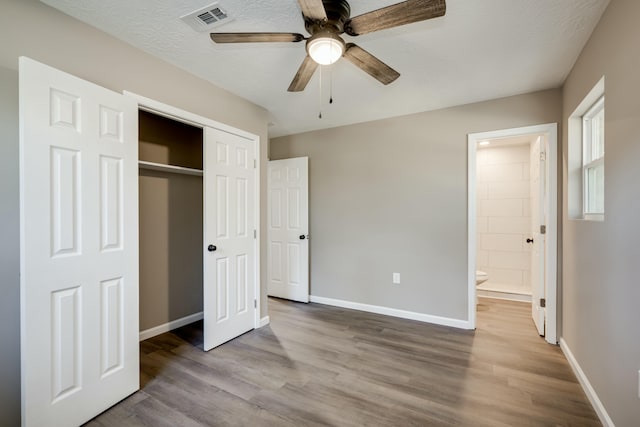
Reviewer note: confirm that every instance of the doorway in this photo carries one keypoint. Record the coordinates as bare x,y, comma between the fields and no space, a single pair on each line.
512,220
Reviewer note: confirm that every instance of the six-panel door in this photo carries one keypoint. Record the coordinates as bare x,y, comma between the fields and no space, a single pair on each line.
288,232
79,247
229,228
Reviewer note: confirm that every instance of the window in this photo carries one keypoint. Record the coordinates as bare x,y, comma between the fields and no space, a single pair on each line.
593,160
585,157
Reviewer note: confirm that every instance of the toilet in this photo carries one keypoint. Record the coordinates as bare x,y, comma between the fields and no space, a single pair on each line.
481,277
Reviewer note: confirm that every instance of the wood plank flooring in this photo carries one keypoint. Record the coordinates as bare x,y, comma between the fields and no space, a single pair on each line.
316,365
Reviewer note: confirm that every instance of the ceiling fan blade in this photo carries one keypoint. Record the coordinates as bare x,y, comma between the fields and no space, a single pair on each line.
304,74
370,64
313,9
395,15
255,37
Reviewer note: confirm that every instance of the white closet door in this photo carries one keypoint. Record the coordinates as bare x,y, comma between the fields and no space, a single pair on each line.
79,247
229,224
288,232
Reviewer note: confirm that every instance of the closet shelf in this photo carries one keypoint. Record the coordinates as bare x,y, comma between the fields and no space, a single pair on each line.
169,168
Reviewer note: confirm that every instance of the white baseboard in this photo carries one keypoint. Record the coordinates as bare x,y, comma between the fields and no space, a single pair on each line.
484,293
161,329
428,318
264,321
586,386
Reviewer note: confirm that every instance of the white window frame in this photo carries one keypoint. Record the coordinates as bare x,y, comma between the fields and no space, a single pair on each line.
589,161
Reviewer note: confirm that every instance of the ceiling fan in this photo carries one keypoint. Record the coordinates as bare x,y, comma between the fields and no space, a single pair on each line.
326,20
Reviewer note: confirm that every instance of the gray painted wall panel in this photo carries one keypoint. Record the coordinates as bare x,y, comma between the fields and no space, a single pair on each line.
391,196
9,251
601,294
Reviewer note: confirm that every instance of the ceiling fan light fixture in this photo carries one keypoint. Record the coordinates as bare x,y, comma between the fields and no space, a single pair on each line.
326,48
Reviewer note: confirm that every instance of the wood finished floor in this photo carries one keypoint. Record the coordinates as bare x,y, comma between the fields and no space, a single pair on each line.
316,365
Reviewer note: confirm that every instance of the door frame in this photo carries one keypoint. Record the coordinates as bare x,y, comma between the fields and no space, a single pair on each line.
551,260
174,113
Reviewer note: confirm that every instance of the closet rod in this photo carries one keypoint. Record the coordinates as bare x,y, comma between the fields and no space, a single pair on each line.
169,168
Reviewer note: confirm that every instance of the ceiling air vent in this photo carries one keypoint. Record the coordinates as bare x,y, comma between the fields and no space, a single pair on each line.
206,18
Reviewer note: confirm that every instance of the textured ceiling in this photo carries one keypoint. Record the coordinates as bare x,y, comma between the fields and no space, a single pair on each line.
480,50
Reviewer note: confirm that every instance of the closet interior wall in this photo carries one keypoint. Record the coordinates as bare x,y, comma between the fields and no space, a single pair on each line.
171,223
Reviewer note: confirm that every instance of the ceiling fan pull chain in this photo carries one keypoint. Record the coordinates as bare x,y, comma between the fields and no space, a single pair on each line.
320,97
330,84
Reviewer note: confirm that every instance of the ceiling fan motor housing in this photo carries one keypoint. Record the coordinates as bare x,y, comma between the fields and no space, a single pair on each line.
338,12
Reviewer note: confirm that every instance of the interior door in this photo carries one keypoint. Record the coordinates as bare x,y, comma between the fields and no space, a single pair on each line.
288,229
538,222
79,247
229,236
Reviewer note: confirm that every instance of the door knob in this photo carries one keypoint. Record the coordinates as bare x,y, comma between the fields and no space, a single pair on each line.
302,237
529,240
211,248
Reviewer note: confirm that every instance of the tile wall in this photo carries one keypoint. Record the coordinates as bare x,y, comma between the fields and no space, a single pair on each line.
504,218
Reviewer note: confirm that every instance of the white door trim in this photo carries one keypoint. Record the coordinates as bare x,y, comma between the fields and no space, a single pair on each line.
551,130
187,117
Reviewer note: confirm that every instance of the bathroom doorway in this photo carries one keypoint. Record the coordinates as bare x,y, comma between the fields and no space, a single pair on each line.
512,220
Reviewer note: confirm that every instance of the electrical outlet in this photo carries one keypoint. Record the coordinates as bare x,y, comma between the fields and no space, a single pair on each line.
396,278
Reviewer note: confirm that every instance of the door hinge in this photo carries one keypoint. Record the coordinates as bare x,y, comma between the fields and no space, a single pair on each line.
543,302
543,155
543,229
255,233
255,303
255,163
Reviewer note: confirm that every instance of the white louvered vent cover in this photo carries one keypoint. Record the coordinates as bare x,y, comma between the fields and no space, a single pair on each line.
207,17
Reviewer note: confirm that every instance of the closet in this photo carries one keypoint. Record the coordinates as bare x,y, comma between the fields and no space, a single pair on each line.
138,220
197,219
170,221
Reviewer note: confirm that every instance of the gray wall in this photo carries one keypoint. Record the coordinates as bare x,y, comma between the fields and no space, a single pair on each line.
170,247
30,28
391,196
601,291
9,256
